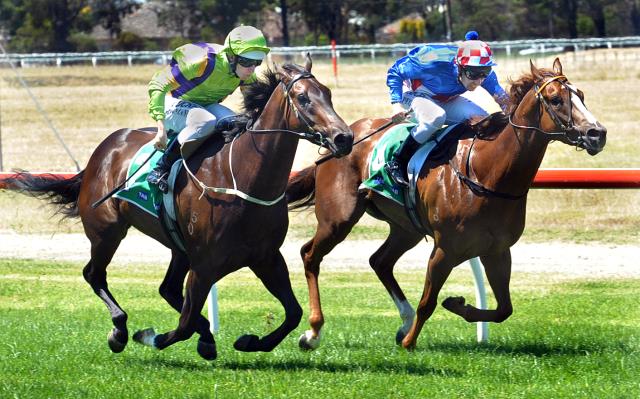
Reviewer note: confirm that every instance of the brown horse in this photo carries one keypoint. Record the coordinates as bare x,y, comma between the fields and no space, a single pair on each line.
222,232
473,203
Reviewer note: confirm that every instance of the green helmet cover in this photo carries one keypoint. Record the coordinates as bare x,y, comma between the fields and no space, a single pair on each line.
244,39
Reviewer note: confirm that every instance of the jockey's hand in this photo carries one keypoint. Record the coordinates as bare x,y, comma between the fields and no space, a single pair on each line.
399,117
160,141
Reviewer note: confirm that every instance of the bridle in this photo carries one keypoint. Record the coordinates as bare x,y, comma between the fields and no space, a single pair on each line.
310,134
565,126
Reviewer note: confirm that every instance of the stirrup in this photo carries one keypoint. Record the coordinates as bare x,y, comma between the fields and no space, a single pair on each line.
159,178
394,170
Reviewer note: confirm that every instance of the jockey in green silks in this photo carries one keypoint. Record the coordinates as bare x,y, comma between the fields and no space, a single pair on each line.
185,95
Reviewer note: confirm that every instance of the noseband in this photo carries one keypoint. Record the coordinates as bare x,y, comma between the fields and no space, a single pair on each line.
311,135
565,127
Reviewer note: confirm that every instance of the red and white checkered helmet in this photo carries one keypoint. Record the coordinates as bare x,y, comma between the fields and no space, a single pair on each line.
474,53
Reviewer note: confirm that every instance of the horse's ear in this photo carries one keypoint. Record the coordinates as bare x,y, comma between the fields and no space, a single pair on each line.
308,63
557,66
535,72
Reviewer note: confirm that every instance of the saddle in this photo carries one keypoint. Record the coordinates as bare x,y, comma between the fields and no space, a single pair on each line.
434,151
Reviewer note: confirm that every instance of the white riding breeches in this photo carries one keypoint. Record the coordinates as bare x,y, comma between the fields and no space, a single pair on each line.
431,114
191,120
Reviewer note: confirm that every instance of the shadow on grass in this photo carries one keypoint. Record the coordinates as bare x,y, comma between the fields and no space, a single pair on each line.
300,365
537,349
337,367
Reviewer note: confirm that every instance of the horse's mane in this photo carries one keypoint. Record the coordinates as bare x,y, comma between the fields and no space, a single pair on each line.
258,93
521,86
493,124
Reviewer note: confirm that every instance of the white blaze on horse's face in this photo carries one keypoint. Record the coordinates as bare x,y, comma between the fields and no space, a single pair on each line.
579,106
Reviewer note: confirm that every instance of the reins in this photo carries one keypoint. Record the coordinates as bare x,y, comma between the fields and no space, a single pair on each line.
477,187
311,135
564,126
378,130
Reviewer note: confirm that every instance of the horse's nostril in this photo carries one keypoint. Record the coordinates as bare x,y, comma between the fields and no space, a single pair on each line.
343,140
596,133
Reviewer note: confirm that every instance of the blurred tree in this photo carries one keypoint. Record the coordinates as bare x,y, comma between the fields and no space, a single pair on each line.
46,25
208,20
570,10
109,14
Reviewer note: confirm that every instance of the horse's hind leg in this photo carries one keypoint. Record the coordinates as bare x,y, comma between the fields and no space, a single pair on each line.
274,275
103,245
198,286
171,290
498,271
334,224
382,262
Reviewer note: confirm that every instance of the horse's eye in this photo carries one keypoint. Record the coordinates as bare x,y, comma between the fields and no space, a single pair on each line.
556,101
303,99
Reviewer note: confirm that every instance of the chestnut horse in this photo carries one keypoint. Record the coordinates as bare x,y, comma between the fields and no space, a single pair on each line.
222,232
472,204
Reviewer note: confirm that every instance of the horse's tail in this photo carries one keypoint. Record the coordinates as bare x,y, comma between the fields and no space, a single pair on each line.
301,188
54,189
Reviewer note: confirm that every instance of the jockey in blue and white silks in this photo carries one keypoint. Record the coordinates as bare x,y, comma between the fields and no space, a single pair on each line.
429,81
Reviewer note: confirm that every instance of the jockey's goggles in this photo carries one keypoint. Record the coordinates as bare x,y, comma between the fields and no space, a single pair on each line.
475,73
248,62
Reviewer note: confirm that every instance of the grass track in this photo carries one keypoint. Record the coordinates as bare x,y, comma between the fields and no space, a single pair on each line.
572,339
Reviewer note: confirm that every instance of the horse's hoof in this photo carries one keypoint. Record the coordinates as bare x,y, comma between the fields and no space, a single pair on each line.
400,336
207,350
307,342
247,343
453,303
117,340
145,337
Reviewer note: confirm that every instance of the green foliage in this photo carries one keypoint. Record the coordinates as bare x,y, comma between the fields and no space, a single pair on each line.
176,42
316,40
586,27
32,37
82,42
128,41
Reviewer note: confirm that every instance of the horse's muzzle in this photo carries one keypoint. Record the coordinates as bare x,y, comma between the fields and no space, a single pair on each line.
594,139
343,143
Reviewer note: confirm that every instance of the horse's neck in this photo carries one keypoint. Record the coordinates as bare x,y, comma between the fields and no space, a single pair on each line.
513,158
273,152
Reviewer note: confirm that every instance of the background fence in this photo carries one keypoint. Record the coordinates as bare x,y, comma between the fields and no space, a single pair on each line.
510,48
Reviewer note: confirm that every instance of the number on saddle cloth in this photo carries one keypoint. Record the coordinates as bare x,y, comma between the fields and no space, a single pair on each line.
138,191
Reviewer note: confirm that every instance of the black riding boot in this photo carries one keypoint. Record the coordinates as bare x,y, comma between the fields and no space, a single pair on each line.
397,166
231,126
160,173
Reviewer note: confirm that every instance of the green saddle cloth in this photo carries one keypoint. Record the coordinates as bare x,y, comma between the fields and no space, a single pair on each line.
138,191
379,180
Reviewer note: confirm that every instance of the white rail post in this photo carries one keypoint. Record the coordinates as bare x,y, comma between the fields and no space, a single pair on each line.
212,302
481,298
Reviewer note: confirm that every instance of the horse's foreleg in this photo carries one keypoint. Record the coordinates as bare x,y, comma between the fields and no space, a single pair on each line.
197,288
274,275
103,246
382,262
498,271
333,227
437,273
171,291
